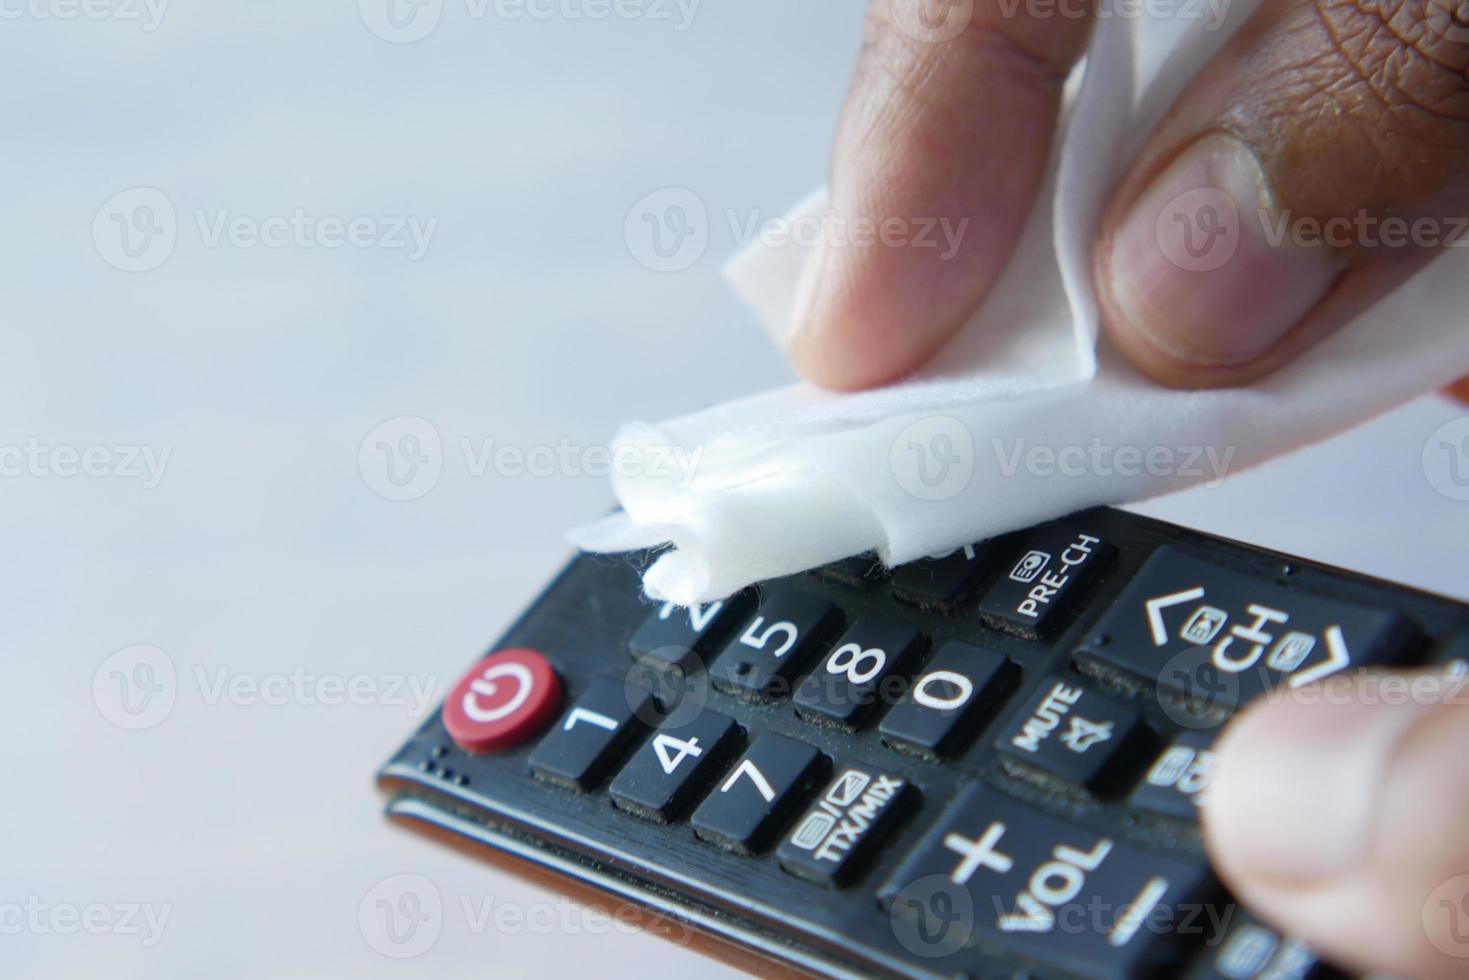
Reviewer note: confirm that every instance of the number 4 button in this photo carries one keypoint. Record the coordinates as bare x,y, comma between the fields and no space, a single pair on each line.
667,771
756,797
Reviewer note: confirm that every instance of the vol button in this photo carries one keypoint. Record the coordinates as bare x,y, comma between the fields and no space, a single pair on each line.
502,701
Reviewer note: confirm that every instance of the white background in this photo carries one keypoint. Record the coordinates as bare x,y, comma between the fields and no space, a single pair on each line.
263,549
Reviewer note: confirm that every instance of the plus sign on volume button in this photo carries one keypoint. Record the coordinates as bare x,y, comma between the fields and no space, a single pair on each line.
503,700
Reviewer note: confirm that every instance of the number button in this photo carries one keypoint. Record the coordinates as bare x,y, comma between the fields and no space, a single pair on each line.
947,701
941,580
850,681
858,570
592,735
1070,733
756,796
660,780
675,638
762,661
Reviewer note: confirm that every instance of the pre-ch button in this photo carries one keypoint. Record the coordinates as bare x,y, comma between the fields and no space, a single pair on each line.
503,700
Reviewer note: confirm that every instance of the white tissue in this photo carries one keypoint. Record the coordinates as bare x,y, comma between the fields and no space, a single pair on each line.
798,477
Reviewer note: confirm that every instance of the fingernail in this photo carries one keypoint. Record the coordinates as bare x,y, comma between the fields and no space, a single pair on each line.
1293,791
1197,266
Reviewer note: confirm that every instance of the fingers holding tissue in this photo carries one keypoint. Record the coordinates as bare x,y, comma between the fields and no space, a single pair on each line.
1310,167
1313,165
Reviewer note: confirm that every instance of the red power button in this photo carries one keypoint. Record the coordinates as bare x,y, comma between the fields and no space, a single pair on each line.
503,700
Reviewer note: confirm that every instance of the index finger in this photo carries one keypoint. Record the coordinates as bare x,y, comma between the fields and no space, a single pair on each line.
940,151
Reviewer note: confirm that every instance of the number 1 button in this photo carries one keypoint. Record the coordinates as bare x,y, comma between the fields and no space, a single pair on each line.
673,765
756,797
592,735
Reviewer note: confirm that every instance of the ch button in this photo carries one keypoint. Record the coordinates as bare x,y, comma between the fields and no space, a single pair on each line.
502,701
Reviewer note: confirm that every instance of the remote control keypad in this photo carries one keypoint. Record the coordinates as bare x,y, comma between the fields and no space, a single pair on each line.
986,763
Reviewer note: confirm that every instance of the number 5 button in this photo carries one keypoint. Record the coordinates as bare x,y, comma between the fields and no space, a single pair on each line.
843,689
754,798
763,660
673,765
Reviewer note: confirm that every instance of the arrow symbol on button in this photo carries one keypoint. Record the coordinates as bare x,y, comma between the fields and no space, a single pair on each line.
1337,658
1155,609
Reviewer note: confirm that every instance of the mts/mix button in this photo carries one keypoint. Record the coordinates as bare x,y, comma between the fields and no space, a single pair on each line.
1048,891
839,831
1042,577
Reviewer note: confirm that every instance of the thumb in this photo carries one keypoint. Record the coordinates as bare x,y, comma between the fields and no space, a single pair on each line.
1337,811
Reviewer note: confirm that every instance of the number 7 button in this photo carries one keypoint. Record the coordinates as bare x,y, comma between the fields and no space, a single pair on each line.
759,793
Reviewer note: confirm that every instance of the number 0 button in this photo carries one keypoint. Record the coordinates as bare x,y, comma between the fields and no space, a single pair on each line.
756,797
947,700
502,701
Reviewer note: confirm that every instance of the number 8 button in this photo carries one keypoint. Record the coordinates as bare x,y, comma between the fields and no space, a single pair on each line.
850,680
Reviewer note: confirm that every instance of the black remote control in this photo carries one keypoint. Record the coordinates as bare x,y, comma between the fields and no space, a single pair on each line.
981,764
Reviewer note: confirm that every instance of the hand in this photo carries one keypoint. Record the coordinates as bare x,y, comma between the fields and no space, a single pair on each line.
1341,821
1338,129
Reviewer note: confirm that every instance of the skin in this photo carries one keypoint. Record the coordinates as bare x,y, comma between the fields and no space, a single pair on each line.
1355,110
